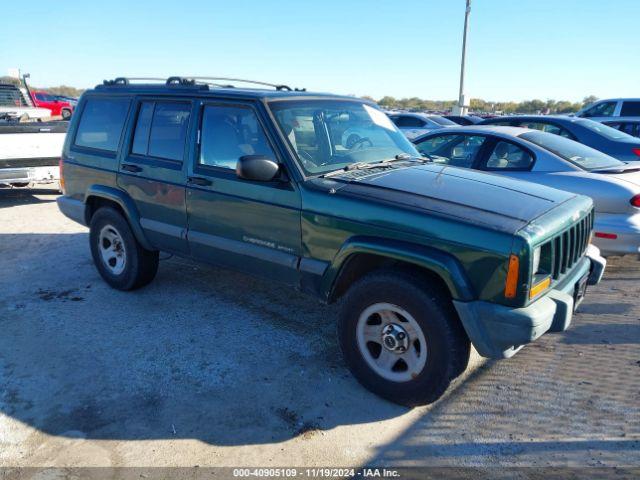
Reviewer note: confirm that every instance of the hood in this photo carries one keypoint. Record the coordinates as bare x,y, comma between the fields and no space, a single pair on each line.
495,201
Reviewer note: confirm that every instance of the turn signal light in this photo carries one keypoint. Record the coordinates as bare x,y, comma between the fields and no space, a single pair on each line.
540,287
511,285
635,201
636,151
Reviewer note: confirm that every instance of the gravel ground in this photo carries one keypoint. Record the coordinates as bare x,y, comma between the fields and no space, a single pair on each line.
208,367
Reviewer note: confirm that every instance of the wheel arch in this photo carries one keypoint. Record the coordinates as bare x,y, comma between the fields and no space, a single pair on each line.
98,196
361,255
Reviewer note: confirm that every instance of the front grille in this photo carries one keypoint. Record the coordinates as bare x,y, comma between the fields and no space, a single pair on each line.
569,246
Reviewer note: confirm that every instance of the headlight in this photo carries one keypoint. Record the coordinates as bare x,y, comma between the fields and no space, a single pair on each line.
536,260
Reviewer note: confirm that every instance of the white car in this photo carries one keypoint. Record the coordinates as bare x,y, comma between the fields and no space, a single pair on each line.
553,161
30,152
611,108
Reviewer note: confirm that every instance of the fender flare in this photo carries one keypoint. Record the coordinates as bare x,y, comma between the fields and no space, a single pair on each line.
441,263
128,207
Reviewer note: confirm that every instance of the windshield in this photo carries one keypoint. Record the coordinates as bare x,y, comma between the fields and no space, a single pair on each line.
584,157
331,134
604,130
442,120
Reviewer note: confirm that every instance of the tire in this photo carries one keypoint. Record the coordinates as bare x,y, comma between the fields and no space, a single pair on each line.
66,114
121,261
423,313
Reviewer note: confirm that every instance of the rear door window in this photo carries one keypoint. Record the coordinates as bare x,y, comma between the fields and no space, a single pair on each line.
454,150
509,156
630,109
102,123
547,127
161,130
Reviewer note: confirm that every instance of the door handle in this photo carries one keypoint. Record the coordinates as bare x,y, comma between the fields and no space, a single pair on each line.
203,182
131,168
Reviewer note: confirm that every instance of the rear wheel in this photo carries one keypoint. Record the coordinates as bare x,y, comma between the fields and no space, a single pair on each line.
401,337
66,114
121,261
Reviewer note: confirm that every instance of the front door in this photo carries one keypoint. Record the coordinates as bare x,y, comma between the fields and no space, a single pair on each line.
246,225
153,169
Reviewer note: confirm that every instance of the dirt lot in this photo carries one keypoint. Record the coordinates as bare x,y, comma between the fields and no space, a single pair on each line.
207,367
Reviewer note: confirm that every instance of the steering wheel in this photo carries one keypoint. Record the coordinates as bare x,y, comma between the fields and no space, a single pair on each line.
358,144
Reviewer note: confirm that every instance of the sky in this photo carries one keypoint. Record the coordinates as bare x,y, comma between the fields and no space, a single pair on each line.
517,49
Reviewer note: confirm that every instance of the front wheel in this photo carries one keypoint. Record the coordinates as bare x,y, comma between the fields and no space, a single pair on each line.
121,261
401,337
66,114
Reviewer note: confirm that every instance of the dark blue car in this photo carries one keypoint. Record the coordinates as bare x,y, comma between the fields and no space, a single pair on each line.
593,134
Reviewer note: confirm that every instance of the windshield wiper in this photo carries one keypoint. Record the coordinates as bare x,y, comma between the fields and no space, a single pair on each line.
401,157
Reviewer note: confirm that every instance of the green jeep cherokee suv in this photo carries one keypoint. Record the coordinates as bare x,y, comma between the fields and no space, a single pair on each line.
323,193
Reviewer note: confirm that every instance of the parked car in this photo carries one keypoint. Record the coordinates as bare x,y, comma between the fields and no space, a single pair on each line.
15,105
425,259
628,125
415,124
30,152
464,120
612,107
46,100
551,160
593,134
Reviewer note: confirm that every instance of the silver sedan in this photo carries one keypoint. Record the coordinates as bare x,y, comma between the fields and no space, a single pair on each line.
554,161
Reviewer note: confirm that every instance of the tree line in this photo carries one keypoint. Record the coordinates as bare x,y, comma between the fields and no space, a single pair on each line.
483,106
414,103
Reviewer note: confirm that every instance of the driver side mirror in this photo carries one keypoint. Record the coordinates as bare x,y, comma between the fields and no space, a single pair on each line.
257,168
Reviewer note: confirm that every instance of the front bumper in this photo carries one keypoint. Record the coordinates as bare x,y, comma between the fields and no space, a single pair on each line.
499,331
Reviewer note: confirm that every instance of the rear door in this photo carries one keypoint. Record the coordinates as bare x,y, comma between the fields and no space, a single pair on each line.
153,168
246,225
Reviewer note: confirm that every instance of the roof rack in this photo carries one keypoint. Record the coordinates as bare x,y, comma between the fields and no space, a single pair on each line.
279,87
200,81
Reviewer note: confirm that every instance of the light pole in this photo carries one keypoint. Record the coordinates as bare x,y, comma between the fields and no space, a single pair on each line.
461,107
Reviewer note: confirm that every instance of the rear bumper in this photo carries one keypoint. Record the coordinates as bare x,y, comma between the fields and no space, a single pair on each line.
499,331
73,209
627,229
46,174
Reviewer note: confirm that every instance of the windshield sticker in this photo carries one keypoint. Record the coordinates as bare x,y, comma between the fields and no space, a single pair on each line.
379,118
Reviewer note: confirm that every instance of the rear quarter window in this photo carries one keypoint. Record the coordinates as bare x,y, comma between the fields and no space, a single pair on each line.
101,123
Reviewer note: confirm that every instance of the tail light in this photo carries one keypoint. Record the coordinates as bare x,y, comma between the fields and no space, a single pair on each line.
637,151
635,201
61,181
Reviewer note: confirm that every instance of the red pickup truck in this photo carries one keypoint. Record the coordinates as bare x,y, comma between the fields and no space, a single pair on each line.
45,100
